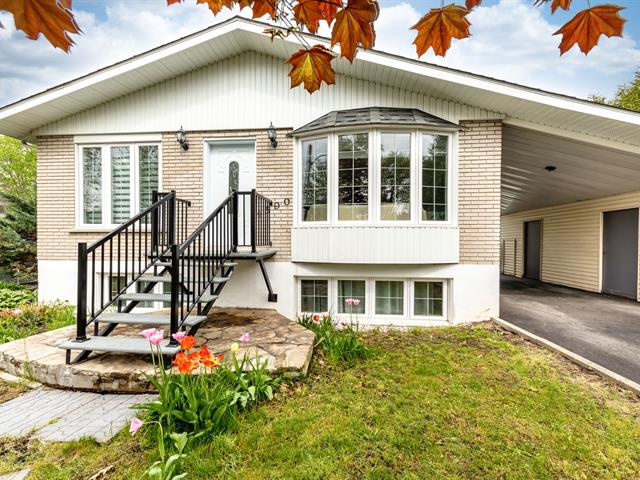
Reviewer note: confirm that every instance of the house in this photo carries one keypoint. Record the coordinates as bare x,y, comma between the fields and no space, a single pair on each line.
406,185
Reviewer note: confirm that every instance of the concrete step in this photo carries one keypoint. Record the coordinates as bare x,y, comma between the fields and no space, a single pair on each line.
163,263
159,297
137,345
147,319
167,279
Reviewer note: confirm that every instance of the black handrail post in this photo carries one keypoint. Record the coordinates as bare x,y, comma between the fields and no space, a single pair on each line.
81,312
235,221
172,219
175,291
154,222
254,219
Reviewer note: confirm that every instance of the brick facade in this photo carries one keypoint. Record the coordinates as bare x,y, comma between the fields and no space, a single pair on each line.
480,145
479,164
181,171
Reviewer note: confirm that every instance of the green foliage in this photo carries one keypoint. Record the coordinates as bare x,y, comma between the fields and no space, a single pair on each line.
18,236
627,96
339,340
168,467
29,319
17,168
13,297
250,382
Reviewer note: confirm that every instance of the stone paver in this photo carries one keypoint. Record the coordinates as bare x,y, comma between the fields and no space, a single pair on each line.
59,415
286,346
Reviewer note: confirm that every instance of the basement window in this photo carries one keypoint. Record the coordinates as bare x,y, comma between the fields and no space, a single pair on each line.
314,297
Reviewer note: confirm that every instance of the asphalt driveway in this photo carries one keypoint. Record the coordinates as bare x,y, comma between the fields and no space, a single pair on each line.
601,328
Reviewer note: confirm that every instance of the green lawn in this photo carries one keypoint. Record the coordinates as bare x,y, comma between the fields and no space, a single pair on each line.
444,403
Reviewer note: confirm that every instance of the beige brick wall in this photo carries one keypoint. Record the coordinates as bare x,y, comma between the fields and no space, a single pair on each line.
480,152
182,171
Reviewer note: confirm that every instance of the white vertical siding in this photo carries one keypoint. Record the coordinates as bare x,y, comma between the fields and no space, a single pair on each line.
571,240
245,91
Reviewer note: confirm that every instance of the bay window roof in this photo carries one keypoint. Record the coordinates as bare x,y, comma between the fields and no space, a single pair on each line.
372,116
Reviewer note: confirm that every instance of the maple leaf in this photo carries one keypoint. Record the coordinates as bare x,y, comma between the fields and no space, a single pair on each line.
329,9
51,18
587,26
439,26
312,67
215,5
471,4
564,4
309,13
264,7
354,26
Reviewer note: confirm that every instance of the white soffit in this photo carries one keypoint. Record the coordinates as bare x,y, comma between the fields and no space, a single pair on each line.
516,103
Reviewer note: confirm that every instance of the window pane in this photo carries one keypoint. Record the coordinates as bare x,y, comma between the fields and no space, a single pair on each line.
428,298
435,150
389,297
120,184
395,174
148,165
314,180
314,296
92,185
353,160
234,177
351,289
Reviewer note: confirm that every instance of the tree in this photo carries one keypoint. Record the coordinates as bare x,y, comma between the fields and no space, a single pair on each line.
628,95
351,21
17,168
18,226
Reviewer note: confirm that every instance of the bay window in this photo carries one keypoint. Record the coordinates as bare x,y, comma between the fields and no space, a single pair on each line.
314,180
353,177
395,176
435,152
116,182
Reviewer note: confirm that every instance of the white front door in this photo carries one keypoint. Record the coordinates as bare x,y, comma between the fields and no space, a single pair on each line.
231,165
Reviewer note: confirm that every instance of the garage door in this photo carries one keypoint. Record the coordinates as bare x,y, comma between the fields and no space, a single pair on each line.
532,244
620,253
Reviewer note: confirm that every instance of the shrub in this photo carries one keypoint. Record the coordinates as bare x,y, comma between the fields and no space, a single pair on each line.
30,319
12,297
338,339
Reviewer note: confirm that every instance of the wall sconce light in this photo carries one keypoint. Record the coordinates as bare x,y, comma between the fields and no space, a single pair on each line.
273,135
181,137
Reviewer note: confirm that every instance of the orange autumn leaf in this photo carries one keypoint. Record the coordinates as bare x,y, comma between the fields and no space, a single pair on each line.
216,5
51,18
474,3
329,9
564,4
312,67
587,26
438,27
264,7
309,13
354,27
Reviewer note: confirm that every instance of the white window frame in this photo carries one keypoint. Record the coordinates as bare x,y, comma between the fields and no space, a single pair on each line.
330,295
375,180
405,309
334,168
367,297
107,224
445,298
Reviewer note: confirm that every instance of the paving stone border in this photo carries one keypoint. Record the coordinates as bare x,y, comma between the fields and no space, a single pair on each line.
285,344
64,416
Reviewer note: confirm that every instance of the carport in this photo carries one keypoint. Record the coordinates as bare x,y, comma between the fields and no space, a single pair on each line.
569,206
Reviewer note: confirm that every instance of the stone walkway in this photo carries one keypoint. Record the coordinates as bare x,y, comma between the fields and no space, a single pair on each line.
58,415
285,344
21,475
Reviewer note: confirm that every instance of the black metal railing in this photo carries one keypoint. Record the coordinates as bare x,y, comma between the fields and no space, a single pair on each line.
116,261
254,220
199,259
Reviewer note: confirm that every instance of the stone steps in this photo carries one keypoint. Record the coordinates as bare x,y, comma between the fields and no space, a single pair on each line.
118,344
147,319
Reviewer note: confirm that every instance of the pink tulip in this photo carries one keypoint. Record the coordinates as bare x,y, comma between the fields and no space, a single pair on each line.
245,338
356,301
135,425
349,301
148,332
178,336
157,337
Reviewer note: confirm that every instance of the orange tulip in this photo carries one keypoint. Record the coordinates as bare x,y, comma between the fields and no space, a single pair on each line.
188,342
185,363
207,359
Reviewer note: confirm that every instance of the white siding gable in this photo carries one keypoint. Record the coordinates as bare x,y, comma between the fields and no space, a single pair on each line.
246,91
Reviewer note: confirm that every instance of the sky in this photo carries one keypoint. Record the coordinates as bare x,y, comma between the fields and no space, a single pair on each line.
511,40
